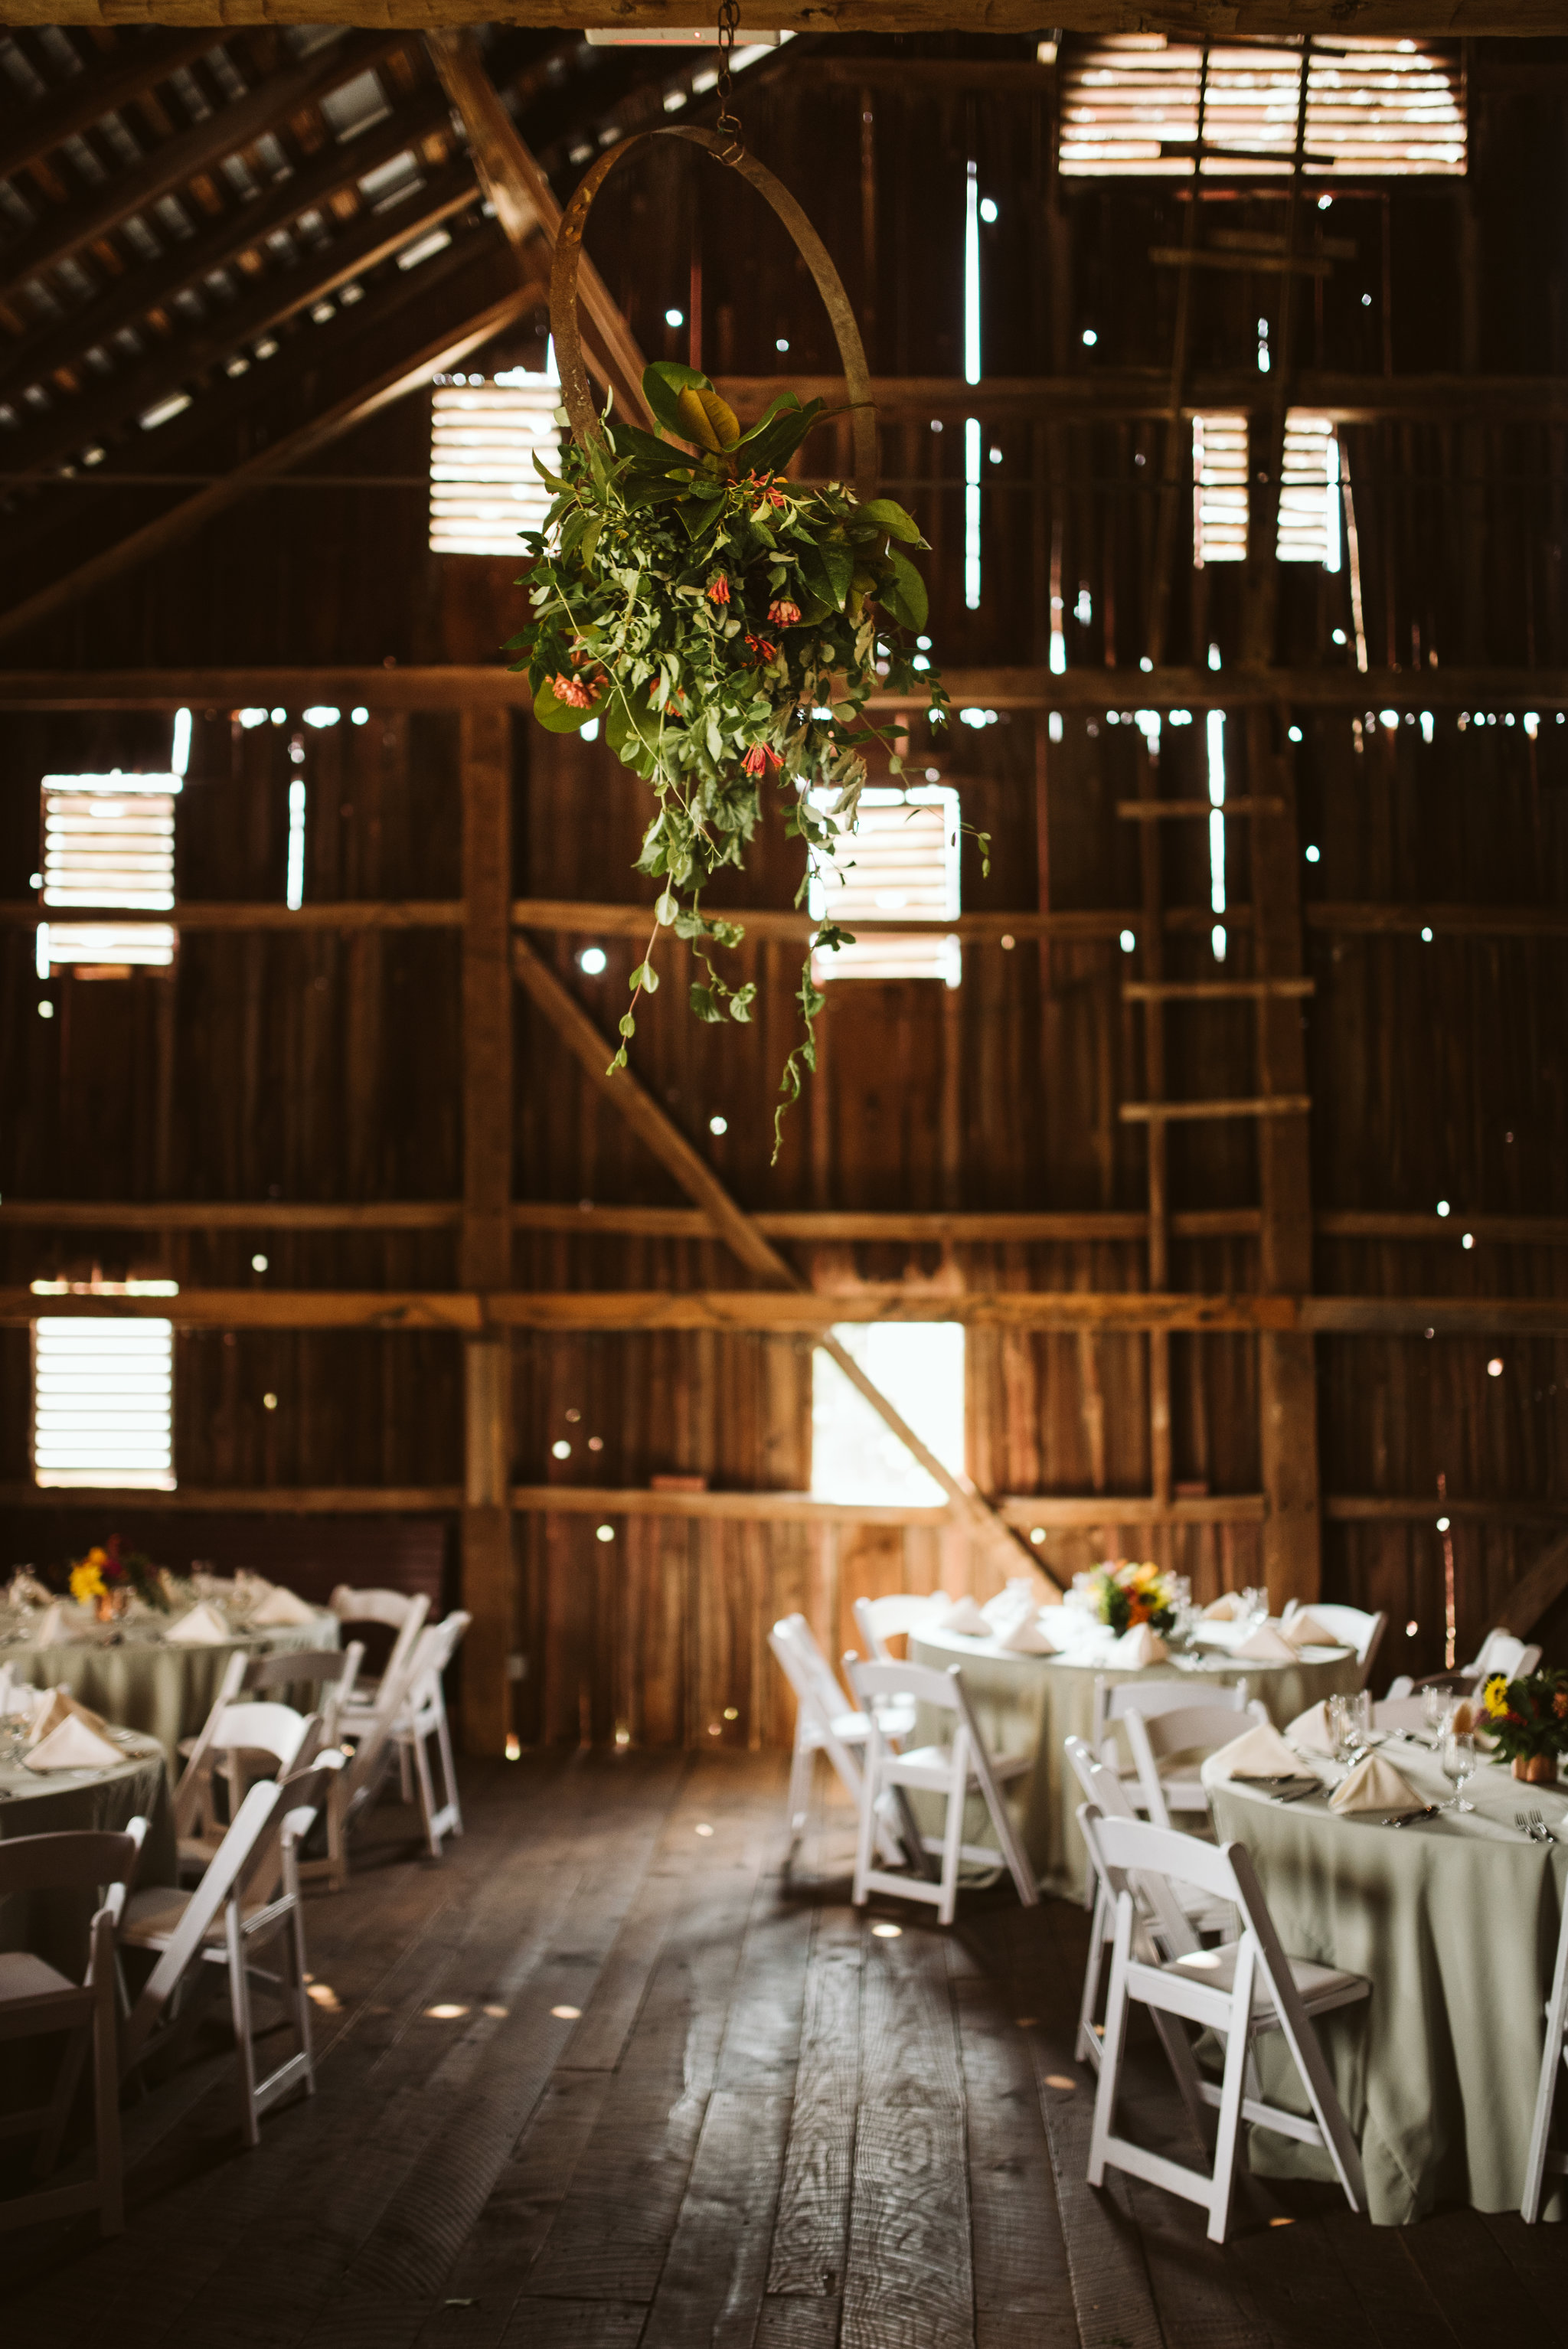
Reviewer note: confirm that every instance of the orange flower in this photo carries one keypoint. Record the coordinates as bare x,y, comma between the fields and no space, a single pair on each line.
762,649
573,692
758,758
718,590
783,612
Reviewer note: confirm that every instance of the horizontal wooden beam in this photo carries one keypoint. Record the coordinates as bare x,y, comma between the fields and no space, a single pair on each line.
1159,811
1168,1113
262,1500
342,914
751,1508
1212,991
1443,921
469,1313
459,685
1100,395
1403,1508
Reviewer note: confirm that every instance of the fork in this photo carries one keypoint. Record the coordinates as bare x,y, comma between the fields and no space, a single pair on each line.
1546,1835
1535,1826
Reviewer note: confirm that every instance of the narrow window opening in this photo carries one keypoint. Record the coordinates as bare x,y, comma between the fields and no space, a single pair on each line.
855,1455
903,859
1219,490
103,1395
484,438
108,840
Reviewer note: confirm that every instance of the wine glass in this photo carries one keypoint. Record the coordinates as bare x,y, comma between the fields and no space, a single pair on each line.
1255,1599
1437,1703
1343,1728
1459,1766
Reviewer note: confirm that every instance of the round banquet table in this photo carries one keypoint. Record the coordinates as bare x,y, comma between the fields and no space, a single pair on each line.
32,1802
137,1679
1454,1922
1028,1705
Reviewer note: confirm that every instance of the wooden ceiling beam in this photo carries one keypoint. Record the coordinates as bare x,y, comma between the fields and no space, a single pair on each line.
78,421
153,285
1120,395
65,229
1192,19
137,64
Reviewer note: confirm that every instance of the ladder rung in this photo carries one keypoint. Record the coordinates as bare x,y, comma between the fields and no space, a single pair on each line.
1212,991
1266,1105
1151,811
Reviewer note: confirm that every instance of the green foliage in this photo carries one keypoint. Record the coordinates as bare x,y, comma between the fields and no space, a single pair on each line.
729,628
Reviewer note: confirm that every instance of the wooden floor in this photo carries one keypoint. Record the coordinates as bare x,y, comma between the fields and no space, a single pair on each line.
605,2079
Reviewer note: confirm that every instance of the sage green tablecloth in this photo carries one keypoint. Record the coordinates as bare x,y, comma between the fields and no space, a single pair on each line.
1454,1923
1028,1705
138,1680
53,1925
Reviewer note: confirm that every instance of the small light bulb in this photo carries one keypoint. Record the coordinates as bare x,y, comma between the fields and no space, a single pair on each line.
1494,1368
269,1403
718,1125
781,344
988,209
561,1449
1089,338
1313,855
674,317
258,1264
1127,942
605,1533
593,962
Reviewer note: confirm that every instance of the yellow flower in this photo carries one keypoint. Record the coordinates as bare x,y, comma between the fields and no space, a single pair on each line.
1494,1696
87,1582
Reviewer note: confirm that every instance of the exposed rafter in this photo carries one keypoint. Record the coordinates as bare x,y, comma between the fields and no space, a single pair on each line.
1195,20
137,65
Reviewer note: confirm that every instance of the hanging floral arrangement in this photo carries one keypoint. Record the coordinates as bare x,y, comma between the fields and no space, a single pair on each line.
725,625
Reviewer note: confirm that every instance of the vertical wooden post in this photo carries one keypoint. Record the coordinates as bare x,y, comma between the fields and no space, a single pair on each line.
488,1583
1152,967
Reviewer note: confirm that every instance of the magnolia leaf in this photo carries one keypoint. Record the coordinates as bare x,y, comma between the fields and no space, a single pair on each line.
784,402
558,716
663,384
889,515
904,595
707,420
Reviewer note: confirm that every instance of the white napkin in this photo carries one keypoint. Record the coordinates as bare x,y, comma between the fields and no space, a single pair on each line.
1019,1598
1307,1632
1259,1753
1139,1647
73,1746
202,1628
1311,1729
250,1589
1223,1609
24,1589
1374,1785
54,1706
962,1615
281,1607
1264,1646
1027,1636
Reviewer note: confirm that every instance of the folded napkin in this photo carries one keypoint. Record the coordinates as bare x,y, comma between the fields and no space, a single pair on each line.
1264,1646
1259,1753
1223,1609
73,1746
1307,1632
57,1705
1311,1729
59,1624
202,1628
1027,1636
281,1607
1139,1647
24,1589
251,1588
1375,1785
962,1615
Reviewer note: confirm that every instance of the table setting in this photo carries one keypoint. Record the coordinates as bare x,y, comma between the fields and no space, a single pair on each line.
146,1648
1030,1670
1425,1859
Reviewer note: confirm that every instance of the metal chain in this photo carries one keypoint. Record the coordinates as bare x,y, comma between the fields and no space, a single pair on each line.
729,24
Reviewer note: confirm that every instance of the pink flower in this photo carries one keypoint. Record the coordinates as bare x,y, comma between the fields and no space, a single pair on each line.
718,590
758,758
768,488
573,692
783,612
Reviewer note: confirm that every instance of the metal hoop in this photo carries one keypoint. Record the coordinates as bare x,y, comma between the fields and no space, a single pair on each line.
576,397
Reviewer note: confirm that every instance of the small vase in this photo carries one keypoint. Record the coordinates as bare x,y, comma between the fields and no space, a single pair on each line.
1536,1769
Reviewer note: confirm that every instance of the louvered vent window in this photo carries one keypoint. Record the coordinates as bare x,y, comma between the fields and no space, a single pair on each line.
483,436
103,1402
1130,105
903,859
108,840
1309,494
1219,490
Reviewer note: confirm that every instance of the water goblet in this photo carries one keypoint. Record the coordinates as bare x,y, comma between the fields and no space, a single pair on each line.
1342,1729
1459,1766
1437,1703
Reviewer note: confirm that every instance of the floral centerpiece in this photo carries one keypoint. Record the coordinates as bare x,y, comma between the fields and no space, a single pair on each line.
1128,1594
110,1576
1527,1721
727,625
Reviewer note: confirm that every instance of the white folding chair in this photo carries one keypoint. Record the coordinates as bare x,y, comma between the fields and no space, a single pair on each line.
1544,2155
1115,1700
1239,1991
1155,1737
1353,1627
331,1672
353,1792
248,1895
423,1724
878,1620
1499,1652
246,1740
955,1771
395,1612
826,1722
36,2001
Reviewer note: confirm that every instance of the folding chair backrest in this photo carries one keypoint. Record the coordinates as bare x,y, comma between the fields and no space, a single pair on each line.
304,1792
1114,1700
293,1668
193,1777
1190,1728
436,1645
1353,1627
874,1683
275,1729
73,1860
807,1669
1131,1847
1499,1652
388,1606
1100,1783
878,1620
267,1800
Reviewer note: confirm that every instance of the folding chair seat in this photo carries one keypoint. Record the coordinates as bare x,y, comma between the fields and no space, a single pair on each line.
423,1725
394,1611
36,2001
826,1722
246,1742
333,1672
1353,1627
249,1897
1157,1738
1244,1988
1101,1786
955,1770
